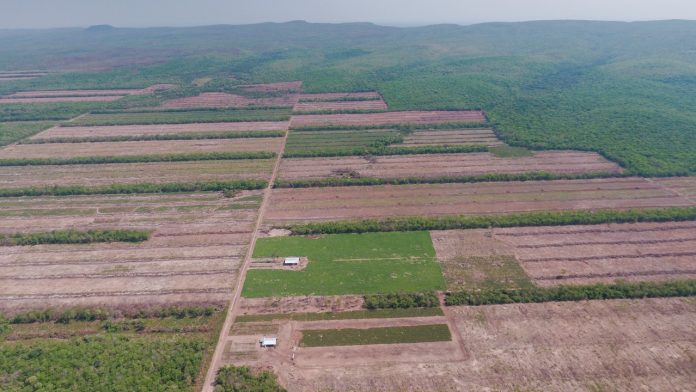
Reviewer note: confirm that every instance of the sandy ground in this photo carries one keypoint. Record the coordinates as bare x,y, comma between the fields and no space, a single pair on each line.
150,172
70,150
451,137
684,186
624,345
338,106
389,118
160,129
334,203
439,165
194,253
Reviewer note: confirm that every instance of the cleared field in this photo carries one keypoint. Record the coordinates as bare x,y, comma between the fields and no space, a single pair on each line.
192,256
340,106
88,93
451,137
685,186
270,87
388,118
366,95
445,165
304,141
379,335
123,173
347,264
333,203
221,100
160,129
99,98
71,150
182,117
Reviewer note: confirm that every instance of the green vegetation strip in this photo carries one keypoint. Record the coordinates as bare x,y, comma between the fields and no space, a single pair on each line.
177,136
238,379
14,131
402,127
493,177
113,189
348,264
382,150
554,218
185,117
350,315
208,156
383,335
73,237
402,300
623,290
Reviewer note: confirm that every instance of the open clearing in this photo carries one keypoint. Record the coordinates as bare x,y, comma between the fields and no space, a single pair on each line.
347,264
388,118
308,141
99,98
197,244
88,93
340,106
334,203
293,86
626,345
582,254
367,95
221,100
122,173
72,150
685,186
160,129
379,335
451,137
182,117
445,165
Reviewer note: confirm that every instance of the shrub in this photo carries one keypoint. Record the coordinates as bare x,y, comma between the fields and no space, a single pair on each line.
208,156
243,379
73,237
401,300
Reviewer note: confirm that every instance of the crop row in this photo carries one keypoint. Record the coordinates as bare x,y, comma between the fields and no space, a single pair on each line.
176,136
73,237
208,156
550,218
404,126
384,150
91,314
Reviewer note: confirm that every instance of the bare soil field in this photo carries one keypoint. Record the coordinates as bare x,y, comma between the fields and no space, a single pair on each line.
366,95
336,203
302,304
219,100
451,137
340,106
121,173
685,186
389,118
624,345
70,150
197,245
100,98
270,87
160,129
440,165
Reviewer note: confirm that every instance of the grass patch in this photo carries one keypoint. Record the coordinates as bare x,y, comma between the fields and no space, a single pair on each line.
176,136
95,160
14,131
505,151
348,264
182,117
383,335
485,273
350,315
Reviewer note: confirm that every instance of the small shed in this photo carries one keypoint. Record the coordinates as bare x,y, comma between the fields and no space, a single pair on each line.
291,261
268,341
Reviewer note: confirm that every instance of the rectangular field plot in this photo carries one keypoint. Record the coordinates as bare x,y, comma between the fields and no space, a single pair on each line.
685,186
125,173
388,118
348,264
197,243
328,97
223,100
444,165
98,98
160,129
380,335
105,149
616,345
182,117
311,141
336,203
450,137
340,106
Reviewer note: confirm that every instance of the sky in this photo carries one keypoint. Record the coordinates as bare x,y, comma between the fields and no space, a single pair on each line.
147,13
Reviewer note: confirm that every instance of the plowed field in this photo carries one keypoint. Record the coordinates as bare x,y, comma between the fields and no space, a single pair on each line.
219,100
340,106
451,137
389,118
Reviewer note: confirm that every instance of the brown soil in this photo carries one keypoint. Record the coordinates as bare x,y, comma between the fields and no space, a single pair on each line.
439,165
451,137
338,96
302,304
70,150
389,118
333,203
339,106
684,186
151,172
213,100
598,345
162,129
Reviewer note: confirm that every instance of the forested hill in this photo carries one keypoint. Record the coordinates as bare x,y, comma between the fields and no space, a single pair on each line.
623,89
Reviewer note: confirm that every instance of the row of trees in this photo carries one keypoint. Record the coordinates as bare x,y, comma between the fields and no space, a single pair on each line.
550,218
385,150
401,300
65,316
176,136
201,156
114,189
243,379
401,127
684,288
74,237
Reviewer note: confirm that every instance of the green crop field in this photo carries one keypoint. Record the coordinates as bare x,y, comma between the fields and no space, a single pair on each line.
338,141
182,117
11,132
349,315
383,335
348,264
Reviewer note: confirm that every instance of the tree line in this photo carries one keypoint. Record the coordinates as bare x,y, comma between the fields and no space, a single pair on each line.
73,237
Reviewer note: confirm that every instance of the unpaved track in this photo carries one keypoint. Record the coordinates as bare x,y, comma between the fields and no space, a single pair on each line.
234,307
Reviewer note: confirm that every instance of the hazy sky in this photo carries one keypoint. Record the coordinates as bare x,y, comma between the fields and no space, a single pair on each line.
140,13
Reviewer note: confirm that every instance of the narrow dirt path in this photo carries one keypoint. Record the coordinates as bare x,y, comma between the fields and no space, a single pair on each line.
233,309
